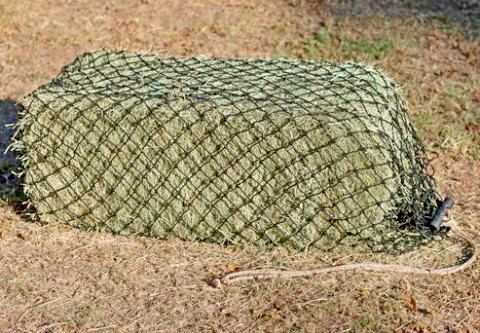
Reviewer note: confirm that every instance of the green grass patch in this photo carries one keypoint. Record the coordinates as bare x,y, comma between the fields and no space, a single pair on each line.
331,42
364,324
375,49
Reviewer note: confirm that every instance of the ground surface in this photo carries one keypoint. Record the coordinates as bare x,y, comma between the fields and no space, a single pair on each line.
55,279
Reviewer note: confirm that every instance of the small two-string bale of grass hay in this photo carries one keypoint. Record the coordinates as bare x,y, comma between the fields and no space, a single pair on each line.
268,152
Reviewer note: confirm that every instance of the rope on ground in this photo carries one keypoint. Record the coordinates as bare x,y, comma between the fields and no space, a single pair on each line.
264,274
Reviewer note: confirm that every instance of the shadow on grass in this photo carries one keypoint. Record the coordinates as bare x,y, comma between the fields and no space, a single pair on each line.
464,14
10,184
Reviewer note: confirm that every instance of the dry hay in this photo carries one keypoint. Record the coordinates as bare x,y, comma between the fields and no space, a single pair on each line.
290,153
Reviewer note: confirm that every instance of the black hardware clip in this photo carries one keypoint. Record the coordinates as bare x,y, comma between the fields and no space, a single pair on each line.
440,213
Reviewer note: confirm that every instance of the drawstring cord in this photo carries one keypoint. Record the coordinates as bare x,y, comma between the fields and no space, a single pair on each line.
265,274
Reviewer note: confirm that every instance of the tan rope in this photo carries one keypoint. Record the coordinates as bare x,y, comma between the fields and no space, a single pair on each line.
263,274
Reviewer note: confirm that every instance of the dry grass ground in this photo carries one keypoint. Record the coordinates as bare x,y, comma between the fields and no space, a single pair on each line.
57,279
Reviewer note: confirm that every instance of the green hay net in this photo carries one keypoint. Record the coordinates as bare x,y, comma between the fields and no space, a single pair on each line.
268,152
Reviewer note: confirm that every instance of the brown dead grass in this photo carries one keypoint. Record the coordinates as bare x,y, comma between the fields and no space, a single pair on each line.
57,279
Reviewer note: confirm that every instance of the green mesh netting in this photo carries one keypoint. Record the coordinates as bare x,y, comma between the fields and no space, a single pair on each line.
268,152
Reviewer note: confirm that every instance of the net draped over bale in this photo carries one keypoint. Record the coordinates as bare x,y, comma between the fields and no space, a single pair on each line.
269,152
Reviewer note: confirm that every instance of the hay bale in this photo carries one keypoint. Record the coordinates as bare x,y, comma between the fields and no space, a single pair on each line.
289,153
